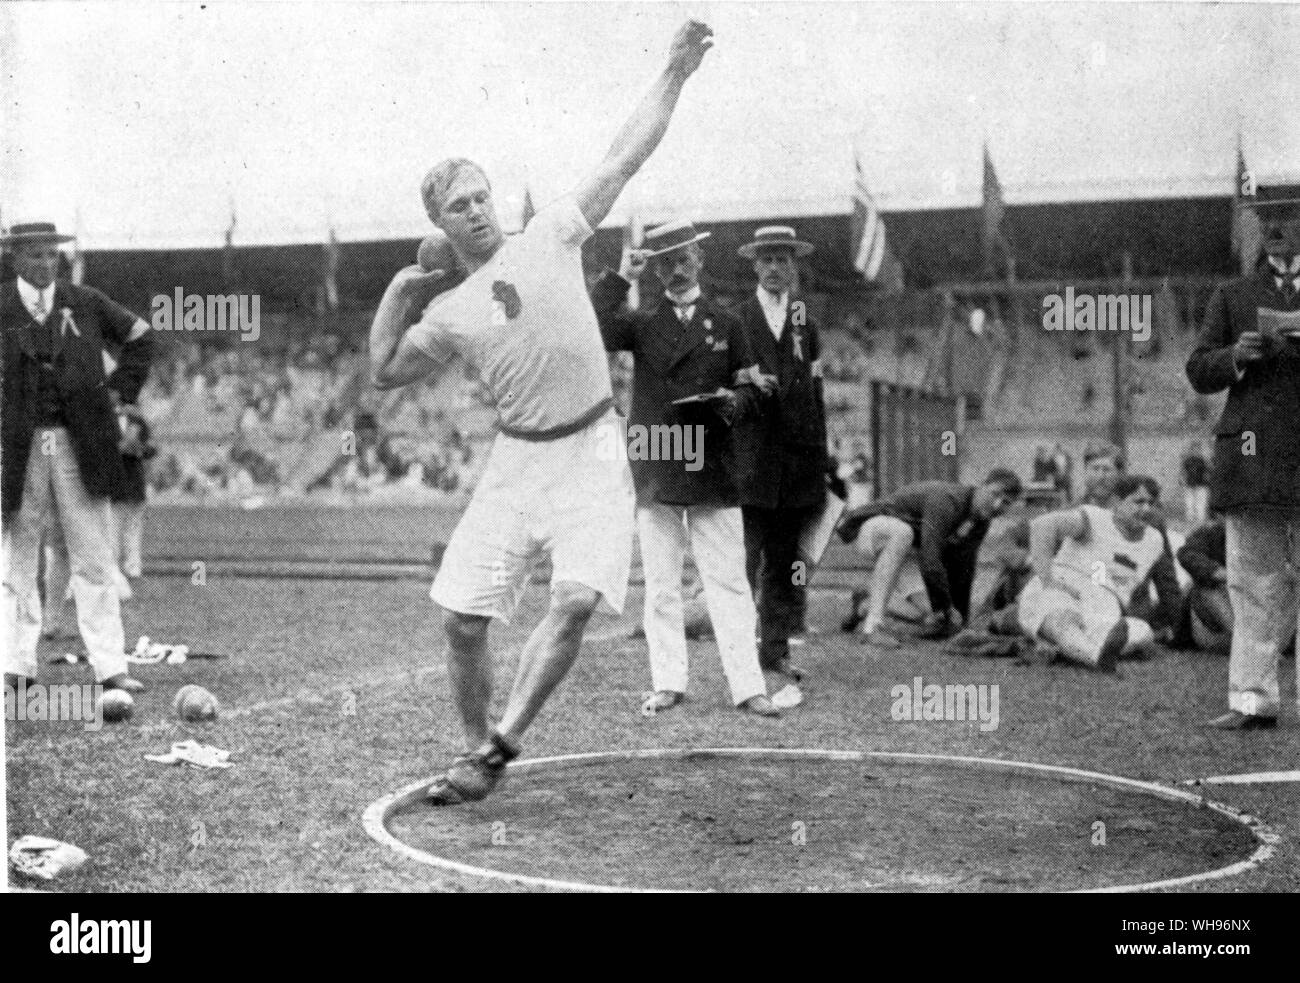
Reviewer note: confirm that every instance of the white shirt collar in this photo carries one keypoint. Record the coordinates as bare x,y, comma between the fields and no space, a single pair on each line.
774,309
31,295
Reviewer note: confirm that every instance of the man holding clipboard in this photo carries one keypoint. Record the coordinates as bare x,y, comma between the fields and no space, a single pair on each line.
693,377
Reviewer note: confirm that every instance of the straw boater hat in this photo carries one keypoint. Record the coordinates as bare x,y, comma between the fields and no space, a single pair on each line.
776,237
33,232
669,236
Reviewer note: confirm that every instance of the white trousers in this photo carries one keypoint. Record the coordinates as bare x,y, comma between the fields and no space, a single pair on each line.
717,541
128,535
53,492
1263,555
126,528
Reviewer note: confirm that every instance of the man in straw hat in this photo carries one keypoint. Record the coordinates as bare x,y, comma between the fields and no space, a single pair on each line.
522,317
60,445
781,449
688,348
1249,345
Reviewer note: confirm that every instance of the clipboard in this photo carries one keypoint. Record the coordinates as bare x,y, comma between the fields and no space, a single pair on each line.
700,399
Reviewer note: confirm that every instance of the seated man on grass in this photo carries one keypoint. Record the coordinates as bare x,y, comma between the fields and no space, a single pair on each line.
945,522
1089,564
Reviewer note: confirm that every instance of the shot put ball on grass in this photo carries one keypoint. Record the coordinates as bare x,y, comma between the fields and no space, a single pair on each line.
116,705
195,704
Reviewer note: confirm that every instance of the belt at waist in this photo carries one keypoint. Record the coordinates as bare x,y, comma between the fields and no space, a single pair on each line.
564,429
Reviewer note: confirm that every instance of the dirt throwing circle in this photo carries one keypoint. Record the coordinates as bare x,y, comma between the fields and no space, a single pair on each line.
735,819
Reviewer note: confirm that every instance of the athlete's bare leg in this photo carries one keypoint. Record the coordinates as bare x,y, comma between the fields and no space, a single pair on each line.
548,655
469,668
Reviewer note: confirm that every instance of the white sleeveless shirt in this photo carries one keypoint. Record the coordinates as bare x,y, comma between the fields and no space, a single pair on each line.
1126,562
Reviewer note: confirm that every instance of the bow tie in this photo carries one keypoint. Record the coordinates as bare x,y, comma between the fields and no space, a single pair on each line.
684,311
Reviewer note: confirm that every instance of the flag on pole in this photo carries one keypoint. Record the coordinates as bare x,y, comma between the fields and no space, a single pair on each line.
993,209
78,275
1246,237
869,247
528,210
331,270
228,253
872,256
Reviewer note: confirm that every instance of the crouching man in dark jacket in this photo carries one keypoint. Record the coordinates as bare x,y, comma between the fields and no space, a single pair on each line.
945,523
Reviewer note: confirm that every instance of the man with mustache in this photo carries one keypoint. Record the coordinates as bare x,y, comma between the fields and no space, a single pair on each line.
1249,346
687,346
60,446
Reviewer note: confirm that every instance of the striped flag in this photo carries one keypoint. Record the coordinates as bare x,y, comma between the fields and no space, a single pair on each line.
869,248
1246,236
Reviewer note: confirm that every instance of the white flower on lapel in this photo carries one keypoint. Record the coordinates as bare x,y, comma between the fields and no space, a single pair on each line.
68,324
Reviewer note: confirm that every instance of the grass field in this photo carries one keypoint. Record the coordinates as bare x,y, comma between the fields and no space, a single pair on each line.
334,695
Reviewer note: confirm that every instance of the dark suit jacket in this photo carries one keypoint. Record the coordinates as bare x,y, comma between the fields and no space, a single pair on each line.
1205,552
781,449
946,533
79,370
674,361
1263,402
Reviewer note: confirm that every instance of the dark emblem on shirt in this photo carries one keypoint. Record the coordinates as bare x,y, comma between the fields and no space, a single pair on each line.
508,296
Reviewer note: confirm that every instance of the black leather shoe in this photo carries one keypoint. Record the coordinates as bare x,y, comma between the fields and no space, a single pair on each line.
1236,720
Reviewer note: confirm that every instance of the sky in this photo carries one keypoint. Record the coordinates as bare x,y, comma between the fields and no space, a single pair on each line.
140,124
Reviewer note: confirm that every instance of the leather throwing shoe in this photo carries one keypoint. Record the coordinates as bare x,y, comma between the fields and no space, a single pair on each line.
664,699
472,775
760,706
127,684
1236,720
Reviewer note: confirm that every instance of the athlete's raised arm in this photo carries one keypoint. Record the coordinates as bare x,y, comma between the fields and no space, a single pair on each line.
637,140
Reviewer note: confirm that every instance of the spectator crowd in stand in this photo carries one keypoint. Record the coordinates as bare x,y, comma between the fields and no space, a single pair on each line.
234,419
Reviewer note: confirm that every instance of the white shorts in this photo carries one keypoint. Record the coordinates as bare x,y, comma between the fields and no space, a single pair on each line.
570,498
1098,608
